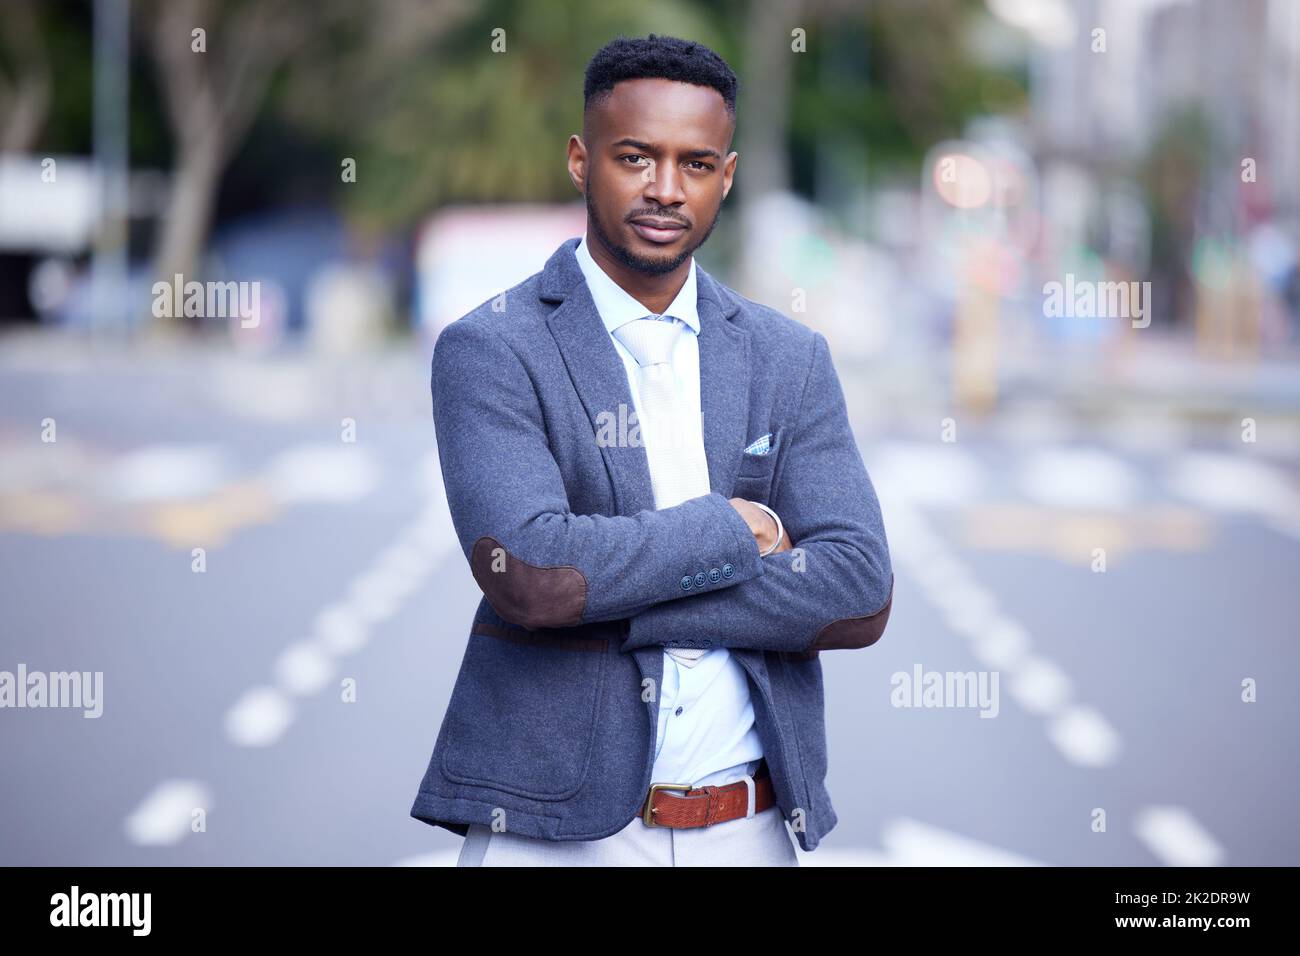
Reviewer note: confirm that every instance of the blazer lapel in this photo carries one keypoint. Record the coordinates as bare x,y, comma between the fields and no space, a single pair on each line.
724,381
598,375
601,382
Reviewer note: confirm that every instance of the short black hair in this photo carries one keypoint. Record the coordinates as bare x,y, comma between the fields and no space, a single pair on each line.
657,57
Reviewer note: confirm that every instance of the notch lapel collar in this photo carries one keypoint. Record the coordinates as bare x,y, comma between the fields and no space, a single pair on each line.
725,367
598,376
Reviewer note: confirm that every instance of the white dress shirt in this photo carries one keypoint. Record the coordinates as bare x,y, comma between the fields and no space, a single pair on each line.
706,733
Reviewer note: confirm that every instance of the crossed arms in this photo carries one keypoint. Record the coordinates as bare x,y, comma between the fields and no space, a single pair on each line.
542,566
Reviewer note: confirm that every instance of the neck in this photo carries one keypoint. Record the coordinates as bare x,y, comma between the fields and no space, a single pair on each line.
655,291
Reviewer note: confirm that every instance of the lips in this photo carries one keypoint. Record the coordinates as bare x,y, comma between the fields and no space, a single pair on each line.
658,230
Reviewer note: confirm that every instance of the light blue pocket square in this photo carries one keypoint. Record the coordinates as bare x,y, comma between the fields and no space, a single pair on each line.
760,446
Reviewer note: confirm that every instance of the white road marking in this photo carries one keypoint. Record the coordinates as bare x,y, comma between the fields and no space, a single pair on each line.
1039,686
339,629
323,472
406,558
1228,483
376,593
166,472
260,717
1173,835
1002,645
1078,478
968,607
1081,733
1085,737
164,817
912,843
304,668
938,474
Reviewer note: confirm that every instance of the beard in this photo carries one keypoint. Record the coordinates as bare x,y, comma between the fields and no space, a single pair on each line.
638,263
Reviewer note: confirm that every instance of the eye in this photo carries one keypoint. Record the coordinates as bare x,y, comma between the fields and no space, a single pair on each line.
634,156
700,164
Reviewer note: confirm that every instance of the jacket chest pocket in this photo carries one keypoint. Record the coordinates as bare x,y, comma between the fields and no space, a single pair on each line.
754,479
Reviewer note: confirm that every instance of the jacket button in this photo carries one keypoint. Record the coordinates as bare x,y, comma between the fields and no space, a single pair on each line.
728,570
700,579
686,583
715,575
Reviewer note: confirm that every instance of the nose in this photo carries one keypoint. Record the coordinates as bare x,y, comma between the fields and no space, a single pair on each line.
664,185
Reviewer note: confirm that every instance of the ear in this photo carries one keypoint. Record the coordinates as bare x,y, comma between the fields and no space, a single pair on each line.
578,163
728,172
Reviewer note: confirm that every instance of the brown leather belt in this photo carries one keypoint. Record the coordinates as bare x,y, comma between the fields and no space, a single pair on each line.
705,806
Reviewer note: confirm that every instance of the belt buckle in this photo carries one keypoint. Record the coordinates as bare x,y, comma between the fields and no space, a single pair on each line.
647,817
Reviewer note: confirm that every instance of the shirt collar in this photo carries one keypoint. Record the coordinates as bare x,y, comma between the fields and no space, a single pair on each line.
617,307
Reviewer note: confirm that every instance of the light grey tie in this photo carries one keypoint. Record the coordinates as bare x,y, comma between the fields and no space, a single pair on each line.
679,470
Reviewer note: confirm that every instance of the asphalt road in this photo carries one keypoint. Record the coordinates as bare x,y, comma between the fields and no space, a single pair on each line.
294,686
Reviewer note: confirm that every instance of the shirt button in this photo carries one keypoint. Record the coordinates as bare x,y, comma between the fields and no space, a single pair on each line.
678,711
686,583
700,579
728,570
715,575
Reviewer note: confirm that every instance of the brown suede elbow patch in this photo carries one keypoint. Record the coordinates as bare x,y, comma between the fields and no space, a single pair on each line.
525,594
853,632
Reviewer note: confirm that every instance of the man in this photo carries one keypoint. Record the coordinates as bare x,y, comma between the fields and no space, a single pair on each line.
656,487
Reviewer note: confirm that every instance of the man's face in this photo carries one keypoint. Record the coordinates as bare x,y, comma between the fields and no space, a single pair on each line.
654,170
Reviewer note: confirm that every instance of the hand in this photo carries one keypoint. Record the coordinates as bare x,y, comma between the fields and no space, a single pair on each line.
762,526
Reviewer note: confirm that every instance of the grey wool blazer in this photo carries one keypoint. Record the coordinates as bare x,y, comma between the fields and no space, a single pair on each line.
552,718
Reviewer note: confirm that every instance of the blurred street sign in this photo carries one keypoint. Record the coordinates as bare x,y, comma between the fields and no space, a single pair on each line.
47,203
467,255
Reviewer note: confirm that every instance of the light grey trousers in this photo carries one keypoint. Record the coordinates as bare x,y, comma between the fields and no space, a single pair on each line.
761,840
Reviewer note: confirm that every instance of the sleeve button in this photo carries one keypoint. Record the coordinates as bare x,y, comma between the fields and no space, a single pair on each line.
686,583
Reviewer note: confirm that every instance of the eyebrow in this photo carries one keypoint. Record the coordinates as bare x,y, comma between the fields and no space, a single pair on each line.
654,150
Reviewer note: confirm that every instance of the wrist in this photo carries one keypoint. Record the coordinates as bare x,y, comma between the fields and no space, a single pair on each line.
780,530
